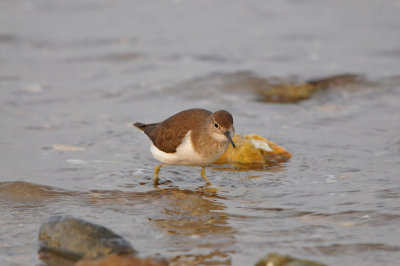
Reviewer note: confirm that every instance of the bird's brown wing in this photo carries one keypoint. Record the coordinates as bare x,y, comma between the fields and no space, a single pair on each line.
168,135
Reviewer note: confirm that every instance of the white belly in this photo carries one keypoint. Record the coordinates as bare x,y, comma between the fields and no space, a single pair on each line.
184,155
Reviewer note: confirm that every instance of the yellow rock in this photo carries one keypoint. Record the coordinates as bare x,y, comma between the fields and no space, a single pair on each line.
253,151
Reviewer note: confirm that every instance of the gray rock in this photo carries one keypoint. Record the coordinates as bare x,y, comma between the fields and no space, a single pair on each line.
74,239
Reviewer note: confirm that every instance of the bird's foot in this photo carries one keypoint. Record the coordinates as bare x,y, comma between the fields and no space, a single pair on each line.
203,175
156,171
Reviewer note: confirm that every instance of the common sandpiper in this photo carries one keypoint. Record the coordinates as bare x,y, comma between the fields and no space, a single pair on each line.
194,137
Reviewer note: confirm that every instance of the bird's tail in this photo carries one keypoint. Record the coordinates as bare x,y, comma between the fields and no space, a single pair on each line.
142,126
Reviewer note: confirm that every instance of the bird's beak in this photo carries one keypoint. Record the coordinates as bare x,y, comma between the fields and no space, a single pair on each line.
228,136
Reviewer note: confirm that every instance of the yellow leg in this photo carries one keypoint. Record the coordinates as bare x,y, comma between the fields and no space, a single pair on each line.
156,171
203,175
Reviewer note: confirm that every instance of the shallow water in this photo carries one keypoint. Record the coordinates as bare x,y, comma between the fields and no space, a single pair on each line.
74,76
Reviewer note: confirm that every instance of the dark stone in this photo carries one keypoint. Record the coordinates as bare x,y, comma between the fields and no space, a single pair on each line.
73,239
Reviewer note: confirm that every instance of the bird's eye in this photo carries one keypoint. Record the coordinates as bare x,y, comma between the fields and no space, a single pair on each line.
216,125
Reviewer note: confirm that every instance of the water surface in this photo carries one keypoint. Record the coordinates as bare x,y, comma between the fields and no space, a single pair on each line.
74,76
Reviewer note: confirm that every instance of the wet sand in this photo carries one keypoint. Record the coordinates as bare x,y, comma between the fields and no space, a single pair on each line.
74,76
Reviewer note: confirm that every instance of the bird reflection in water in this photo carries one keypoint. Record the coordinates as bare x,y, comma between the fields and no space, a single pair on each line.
193,222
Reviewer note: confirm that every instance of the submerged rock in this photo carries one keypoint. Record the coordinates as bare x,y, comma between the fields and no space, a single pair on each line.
20,191
118,260
274,259
291,91
249,86
73,239
253,151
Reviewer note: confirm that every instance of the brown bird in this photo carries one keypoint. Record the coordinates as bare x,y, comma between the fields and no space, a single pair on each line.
195,137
